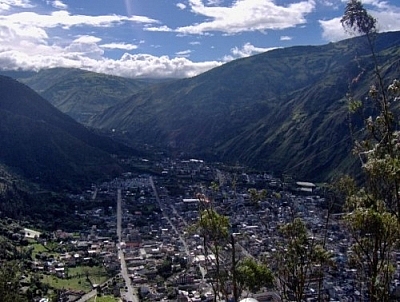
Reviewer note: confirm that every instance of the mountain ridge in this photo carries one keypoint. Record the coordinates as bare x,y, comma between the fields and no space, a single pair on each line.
271,111
46,146
79,93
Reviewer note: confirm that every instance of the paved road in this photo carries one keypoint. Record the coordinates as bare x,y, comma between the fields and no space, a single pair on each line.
167,218
130,295
87,296
175,212
91,294
119,216
94,194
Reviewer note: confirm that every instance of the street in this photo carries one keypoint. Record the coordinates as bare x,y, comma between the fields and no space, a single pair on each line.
130,294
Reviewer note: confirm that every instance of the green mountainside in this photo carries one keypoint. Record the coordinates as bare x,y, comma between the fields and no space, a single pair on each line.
46,146
284,110
79,93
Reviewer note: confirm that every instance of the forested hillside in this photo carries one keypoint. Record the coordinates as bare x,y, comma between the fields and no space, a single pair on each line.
283,110
48,147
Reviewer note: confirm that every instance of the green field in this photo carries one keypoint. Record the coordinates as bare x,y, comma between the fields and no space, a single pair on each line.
37,248
77,278
104,299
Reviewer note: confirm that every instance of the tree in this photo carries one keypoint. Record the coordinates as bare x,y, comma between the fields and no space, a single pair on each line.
9,282
165,268
297,257
214,229
373,210
257,196
357,20
244,273
375,233
253,275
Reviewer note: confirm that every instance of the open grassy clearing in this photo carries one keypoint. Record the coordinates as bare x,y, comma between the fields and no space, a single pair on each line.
77,278
37,248
72,283
104,299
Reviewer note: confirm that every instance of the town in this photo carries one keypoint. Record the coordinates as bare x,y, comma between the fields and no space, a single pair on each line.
145,242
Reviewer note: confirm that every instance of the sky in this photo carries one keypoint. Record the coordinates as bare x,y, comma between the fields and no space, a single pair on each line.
166,38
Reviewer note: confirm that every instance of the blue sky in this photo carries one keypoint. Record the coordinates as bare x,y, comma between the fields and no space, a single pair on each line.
166,38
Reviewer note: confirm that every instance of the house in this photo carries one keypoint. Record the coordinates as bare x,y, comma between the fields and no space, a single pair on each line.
190,204
305,187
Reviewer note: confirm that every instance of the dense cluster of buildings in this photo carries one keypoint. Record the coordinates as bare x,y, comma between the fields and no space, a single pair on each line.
164,250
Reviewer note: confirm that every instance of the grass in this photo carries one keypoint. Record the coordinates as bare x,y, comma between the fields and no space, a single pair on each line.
104,299
77,278
37,248
72,283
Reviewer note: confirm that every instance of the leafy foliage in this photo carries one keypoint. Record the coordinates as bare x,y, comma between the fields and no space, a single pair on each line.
297,257
357,19
214,226
253,276
374,209
9,282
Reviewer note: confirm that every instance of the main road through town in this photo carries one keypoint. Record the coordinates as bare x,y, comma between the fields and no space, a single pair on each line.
130,294
202,269
167,218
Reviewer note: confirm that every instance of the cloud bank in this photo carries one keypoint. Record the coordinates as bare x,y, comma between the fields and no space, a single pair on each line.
39,34
243,16
386,15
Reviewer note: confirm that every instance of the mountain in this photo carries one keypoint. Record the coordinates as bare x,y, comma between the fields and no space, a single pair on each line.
79,93
44,145
284,110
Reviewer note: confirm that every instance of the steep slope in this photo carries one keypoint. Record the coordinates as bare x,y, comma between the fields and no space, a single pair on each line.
80,93
283,110
43,144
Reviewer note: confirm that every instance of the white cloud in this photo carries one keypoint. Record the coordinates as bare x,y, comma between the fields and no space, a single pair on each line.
214,2
66,20
6,5
388,20
87,39
123,46
20,37
27,33
85,46
248,15
58,4
27,42
286,38
334,4
332,30
246,51
376,3
181,5
183,53
387,16
85,54
144,65
137,65
195,43
163,28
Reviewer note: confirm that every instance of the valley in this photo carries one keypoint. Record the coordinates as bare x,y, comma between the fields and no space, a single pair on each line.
283,111
239,182
140,241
